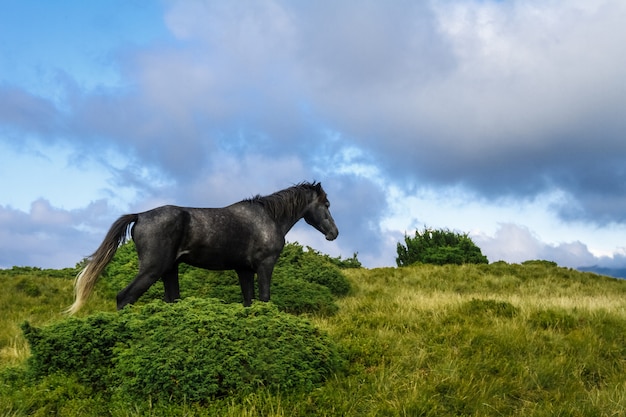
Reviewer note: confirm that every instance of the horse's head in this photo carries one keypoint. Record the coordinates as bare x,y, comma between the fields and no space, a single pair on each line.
318,215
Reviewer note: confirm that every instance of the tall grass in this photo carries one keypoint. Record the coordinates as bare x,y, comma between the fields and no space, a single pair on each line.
480,340
39,297
483,340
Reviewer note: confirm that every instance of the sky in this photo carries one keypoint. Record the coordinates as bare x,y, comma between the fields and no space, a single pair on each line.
505,120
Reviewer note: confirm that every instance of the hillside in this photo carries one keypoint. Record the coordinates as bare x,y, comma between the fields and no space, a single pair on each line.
486,340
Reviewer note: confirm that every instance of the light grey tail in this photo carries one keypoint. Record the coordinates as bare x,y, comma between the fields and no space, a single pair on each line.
88,276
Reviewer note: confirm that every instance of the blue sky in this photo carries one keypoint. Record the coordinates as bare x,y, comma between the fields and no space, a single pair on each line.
505,120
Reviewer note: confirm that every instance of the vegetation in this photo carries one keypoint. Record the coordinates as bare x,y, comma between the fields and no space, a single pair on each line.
439,247
193,351
424,340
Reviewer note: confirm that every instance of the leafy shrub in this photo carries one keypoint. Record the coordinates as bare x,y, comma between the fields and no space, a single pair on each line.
82,347
53,395
552,319
28,287
439,247
189,351
33,271
311,266
297,296
540,263
478,307
198,282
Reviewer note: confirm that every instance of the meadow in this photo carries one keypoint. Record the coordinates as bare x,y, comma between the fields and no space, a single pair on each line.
476,340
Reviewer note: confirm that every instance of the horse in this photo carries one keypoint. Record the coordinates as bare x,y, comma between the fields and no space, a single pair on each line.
247,236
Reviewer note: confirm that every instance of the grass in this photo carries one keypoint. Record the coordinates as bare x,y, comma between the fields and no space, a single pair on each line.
479,340
467,341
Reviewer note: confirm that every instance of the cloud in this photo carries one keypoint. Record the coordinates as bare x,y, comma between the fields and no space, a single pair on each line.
21,110
515,243
503,100
516,98
48,236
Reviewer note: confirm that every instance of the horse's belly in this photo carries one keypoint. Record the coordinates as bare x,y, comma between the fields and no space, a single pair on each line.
217,260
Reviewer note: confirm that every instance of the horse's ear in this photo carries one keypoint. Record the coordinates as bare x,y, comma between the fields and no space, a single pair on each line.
318,187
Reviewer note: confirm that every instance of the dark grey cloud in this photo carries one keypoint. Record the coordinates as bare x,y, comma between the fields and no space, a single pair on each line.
357,205
510,100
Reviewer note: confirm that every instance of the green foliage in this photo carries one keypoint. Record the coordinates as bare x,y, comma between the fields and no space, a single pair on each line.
552,319
31,271
312,266
53,395
28,287
302,282
540,263
477,308
81,347
297,296
496,339
439,247
194,350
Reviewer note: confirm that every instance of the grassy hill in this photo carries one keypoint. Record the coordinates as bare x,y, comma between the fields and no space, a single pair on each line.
484,340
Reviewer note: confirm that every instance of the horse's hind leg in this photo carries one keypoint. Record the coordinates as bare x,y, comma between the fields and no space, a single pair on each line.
170,282
157,234
136,288
151,268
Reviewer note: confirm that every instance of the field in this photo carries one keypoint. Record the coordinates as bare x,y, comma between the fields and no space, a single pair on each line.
479,340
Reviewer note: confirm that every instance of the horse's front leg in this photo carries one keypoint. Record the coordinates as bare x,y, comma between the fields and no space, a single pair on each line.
246,282
264,274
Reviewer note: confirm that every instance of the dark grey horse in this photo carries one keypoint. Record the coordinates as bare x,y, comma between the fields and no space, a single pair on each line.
247,236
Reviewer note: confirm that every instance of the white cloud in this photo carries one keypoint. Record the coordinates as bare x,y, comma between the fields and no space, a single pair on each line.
50,237
515,244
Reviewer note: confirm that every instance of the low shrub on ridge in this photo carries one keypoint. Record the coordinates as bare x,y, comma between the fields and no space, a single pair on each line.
193,350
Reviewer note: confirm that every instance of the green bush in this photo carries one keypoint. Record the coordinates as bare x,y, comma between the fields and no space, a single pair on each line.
80,347
439,247
552,319
32,271
311,266
477,308
28,287
189,351
53,395
297,296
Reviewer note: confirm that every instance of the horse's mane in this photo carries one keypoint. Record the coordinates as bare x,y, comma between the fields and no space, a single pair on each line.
288,202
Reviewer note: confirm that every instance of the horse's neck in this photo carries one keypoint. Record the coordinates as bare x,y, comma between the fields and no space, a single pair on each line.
288,220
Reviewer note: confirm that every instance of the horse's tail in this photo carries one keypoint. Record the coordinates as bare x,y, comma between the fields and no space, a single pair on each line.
88,276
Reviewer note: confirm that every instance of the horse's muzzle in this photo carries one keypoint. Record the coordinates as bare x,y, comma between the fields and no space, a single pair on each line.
332,235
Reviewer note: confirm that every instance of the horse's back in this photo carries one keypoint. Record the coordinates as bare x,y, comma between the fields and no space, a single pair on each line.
237,223
231,237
